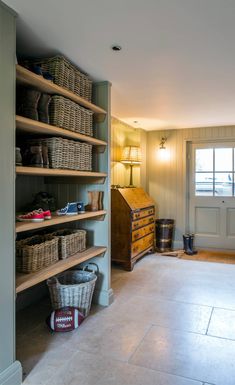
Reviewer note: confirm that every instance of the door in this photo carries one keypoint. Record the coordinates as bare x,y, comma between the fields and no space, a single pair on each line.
212,194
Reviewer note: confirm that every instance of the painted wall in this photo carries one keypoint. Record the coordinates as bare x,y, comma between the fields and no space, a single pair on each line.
122,135
166,178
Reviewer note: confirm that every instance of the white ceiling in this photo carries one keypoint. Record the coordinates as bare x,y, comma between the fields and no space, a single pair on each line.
177,64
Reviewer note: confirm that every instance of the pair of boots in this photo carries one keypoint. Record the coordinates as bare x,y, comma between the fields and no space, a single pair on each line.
32,104
188,244
35,155
95,201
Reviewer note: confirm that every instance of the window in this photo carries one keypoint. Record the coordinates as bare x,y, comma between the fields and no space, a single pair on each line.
214,171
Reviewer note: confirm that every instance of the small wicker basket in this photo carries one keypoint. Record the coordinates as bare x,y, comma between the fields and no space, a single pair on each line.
71,116
70,241
35,253
73,288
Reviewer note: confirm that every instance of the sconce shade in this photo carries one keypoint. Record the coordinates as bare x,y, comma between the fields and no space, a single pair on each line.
131,155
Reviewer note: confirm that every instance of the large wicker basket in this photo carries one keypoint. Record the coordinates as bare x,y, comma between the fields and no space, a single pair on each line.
66,114
65,74
72,288
70,241
67,154
35,253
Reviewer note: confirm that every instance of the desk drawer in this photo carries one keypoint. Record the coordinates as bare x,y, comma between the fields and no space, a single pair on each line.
142,222
143,213
142,244
137,234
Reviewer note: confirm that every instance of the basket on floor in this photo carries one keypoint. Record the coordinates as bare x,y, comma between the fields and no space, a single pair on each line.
35,253
72,288
71,241
65,74
71,116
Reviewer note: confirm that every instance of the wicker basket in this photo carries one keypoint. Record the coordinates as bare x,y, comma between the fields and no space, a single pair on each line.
67,154
72,288
66,114
70,241
65,75
35,253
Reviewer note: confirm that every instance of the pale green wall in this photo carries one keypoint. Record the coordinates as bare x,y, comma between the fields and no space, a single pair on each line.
10,371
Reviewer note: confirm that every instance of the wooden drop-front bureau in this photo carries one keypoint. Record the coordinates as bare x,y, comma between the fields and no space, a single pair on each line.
132,225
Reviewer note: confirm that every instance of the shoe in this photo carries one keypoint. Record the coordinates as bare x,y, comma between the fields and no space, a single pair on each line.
33,216
46,214
47,76
43,110
81,208
69,209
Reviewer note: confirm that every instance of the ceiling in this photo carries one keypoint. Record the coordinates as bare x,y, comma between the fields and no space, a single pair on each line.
176,68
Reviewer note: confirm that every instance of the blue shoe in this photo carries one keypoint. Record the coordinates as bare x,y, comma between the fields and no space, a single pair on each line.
69,209
81,208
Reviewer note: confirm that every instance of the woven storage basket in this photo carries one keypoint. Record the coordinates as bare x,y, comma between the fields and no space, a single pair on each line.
66,114
68,154
35,253
70,241
72,288
66,75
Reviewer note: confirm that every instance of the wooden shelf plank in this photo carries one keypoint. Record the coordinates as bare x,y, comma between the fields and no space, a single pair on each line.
40,171
34,127
57,220
28,78
25,281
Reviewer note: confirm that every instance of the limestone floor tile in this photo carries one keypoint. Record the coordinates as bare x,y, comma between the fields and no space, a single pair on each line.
222,324
162,312
111,337
91,369
195,356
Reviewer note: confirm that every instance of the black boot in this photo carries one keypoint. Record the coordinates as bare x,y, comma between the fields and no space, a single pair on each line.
27,102
187,249
191,239
43,110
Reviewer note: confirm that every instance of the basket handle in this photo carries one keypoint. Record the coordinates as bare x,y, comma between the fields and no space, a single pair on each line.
93,271
53,281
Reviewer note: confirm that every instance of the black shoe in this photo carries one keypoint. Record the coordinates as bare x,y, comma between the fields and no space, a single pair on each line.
187,249
191,239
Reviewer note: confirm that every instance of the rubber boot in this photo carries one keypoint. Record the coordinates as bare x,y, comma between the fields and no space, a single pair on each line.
27,102
101,195
187,249
191,239
43,108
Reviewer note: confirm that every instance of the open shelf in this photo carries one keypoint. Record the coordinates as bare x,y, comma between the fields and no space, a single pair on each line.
57,220
30,126
25,281
40,171
28,78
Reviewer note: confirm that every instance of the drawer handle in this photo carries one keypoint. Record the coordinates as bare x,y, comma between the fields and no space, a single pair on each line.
136,235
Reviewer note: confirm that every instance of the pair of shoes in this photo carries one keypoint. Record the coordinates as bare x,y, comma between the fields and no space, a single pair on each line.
34,216
38,70
188,244
32,104
72,208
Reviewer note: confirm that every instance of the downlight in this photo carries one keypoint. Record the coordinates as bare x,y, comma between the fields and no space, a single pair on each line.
116,47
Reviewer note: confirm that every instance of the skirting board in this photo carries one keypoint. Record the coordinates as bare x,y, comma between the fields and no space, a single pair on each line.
103,297
12,375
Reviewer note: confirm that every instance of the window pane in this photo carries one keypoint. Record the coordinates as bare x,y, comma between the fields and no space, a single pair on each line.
223,159
223,184
204,159
204,184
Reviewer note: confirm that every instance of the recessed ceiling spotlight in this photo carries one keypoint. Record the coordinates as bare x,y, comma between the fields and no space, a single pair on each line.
135,121
116,47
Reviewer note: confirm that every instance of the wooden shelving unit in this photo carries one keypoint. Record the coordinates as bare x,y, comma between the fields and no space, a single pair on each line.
58,220
28,78
40,171
30,126
25,281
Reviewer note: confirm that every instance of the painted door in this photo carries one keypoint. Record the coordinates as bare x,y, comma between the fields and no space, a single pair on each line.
212,194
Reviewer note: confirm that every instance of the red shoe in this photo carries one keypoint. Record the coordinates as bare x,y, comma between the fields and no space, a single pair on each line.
46,214
34,216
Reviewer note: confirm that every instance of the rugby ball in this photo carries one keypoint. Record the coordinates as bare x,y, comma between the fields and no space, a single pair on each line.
65,319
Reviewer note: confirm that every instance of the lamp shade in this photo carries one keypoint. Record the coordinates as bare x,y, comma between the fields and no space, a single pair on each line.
131,155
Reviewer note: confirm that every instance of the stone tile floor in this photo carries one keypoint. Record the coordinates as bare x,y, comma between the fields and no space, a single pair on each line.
172,323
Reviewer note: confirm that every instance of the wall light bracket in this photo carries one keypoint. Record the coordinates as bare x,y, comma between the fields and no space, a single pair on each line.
162,143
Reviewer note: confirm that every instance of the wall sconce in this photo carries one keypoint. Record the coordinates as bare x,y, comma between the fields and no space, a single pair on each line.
131,155
162,143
